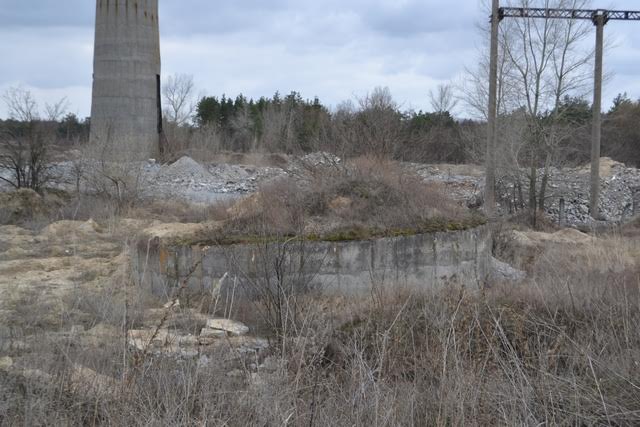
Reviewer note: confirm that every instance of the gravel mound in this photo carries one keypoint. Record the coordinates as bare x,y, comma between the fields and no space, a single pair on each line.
619,192
229,173
184,170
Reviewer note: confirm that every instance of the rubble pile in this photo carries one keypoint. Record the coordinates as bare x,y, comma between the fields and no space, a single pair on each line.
466,188
192,182
183,171
619,193
167,332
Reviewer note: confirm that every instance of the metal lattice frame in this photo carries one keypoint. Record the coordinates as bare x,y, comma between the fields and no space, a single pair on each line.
590,14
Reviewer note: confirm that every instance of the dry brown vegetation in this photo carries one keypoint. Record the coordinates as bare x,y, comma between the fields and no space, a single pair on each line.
359,199
562,349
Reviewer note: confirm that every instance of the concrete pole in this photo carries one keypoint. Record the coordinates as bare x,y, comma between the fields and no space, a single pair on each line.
490,161
599,21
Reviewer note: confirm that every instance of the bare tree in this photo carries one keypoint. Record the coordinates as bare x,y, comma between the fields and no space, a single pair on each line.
56,111
540,62
443,99
21,105
379,124
24,154
24,158
179,93
547,63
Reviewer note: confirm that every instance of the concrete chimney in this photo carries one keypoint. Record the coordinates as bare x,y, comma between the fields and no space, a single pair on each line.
126,118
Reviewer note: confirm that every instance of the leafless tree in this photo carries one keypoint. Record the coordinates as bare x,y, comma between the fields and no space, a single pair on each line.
547,63
24,158
21,104
179,93
24,154
379,126
54,112
279,131
244,135
443,99
540,62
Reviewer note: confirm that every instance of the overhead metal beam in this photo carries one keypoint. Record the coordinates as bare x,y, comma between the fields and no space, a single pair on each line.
590,14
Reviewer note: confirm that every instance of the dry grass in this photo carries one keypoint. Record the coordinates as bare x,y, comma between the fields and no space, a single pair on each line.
563,349
359,199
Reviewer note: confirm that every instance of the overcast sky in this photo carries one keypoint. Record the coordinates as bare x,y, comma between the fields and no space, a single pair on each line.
333,49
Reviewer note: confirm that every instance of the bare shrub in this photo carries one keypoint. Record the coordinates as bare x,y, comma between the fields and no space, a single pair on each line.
111,175
359,199
25,158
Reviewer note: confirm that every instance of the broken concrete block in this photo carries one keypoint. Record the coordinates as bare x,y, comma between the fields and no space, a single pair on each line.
231,326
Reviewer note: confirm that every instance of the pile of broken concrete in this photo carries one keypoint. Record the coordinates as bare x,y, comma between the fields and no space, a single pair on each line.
165,334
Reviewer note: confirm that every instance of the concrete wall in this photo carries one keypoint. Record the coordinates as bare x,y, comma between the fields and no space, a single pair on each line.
419,261
124,110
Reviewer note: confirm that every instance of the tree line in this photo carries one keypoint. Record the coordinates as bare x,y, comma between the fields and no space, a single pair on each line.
376,125
373,124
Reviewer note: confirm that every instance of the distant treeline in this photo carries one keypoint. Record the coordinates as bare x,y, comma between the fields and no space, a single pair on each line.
70,130
374,125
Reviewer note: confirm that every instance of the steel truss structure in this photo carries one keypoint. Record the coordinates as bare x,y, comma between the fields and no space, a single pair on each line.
590,14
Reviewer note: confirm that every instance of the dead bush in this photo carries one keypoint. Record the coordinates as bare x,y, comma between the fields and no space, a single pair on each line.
362,198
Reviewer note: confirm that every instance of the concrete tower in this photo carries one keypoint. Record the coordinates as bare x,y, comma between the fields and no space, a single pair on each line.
126,118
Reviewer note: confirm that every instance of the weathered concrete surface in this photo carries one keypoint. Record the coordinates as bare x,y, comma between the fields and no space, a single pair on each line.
419,261
125,110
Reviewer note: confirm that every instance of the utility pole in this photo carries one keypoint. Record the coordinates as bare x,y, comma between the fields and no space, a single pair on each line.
599,20
492,113
599,17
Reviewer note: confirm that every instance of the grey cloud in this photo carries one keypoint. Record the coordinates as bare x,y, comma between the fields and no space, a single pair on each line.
330,48
38,13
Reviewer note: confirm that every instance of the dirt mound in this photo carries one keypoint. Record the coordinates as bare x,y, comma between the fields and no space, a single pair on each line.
24,204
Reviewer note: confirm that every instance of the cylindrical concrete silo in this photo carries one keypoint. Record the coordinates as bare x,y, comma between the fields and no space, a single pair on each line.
126,118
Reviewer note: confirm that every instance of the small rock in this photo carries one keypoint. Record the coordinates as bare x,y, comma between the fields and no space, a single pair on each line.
501,271
203,361
172,304
141,339
231,326
6,363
